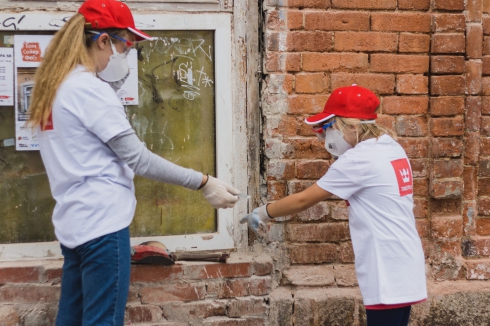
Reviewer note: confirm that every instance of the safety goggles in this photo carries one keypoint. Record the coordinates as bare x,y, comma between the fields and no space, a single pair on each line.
129,44
320,129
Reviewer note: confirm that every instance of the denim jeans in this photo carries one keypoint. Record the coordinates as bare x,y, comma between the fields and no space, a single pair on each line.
388,317
95,281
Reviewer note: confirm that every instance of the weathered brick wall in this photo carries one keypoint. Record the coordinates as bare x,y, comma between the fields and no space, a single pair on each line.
429,63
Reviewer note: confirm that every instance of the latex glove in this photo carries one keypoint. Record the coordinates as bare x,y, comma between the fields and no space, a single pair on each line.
257,221
219,194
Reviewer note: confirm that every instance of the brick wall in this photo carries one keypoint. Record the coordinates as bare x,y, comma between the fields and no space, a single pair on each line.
429,63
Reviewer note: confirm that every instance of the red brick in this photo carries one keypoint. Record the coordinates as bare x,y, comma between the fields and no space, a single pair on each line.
473,113
287,126
483,186
484,209
473,77
423,227
311,83
486,45
244,287
452,5
474,10
280,83
25,274
447,147
262,267
141,314
276,20
29,294
448,43
53,275
244,321
318,212
446,189
337,21
411,126
476,247
483,226
298,186
445,207
445,64
295,19
292,62
419,167
447,168
307,104
478,270
172,292
472,148
379,84
401,22
405,104
318,232
386,121
346,252
486,65
447,126
215,270
420,187
486,7
412,84
470,179
321,4
414,43
309,41
485,82
305,149
246,307
420,207
474,37
486,25
447,85
447,105
485,146
413,4
9,316
415,147
340,211
364,4
193,312
449,23
351,62
315,253
365,41
399,63
156,274
484,170
469,214
485,126
276,190
280,170
311,169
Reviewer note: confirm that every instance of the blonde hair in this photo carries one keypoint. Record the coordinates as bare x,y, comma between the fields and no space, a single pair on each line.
364,130
70,46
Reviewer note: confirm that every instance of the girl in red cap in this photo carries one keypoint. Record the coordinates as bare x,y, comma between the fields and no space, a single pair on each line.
91,154
372,174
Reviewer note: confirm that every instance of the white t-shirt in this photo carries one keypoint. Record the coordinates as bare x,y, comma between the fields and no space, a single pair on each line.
93,188
375,178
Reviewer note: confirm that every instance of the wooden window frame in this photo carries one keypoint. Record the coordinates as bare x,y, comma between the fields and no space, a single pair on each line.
227,231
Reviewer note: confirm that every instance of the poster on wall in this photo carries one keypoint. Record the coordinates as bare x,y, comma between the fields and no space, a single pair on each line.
28,52
6,76
128,93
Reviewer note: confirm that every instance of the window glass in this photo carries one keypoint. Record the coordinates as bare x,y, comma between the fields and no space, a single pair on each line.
174,118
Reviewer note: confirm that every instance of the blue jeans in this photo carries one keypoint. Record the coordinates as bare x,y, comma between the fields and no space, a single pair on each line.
95,281
388,317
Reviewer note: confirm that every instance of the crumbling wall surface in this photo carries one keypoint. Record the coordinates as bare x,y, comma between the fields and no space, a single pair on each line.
429,63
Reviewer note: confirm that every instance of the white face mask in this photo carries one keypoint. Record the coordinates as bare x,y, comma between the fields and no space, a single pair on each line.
335,143
117,68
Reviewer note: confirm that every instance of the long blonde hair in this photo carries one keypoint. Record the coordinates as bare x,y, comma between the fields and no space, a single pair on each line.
364,130
69,47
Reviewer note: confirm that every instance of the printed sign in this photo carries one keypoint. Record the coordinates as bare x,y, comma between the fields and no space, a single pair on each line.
29,50
128,93
403,176
6,76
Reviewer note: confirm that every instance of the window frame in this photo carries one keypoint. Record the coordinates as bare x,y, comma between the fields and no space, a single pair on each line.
220,23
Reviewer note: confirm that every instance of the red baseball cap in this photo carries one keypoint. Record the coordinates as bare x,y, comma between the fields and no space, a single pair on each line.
348,102
103,14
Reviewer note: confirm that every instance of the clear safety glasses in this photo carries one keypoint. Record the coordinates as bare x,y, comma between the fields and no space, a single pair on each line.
127,48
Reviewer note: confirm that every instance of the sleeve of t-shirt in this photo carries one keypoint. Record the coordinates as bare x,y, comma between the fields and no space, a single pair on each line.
342,179
103,113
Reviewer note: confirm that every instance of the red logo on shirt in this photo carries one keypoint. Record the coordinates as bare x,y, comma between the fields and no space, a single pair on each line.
403,176
49,123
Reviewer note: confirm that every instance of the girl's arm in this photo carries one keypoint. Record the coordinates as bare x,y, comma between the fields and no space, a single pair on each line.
298,202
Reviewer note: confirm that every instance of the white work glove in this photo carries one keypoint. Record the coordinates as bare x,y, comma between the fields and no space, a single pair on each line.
219,194
257,221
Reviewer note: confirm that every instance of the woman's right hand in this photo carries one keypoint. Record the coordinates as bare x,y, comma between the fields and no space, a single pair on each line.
219,194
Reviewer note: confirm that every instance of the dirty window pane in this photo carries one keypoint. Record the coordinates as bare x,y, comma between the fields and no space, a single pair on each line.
175,119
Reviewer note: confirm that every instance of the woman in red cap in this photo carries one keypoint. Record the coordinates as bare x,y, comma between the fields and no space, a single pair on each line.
372,174
91,154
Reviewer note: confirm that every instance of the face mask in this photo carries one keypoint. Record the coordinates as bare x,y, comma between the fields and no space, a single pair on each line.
335,143
117,68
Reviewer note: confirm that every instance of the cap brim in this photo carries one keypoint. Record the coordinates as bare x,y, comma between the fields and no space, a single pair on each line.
317,118
140,36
